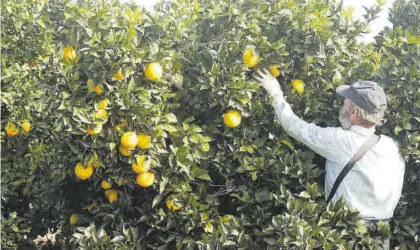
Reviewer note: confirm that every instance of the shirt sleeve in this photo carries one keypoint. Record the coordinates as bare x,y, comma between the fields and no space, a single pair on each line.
330,143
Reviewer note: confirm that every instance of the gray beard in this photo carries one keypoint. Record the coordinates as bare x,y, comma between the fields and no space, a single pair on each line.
343,117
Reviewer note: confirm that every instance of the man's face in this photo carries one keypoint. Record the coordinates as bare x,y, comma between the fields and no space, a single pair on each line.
345,115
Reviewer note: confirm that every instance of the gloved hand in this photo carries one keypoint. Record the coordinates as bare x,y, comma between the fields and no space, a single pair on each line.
269,82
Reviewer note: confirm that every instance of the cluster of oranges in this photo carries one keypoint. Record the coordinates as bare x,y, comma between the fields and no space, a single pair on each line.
129,140
101,115
252,59
12,130
232,118
153,71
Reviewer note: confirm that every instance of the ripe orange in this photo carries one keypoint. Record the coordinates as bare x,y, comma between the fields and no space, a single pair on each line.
232,119
153,71
119,76
112,195
83,173
170,204
69,54
299,86
125,151
146,179
129,140
26,125
139,167
74,218
108,192
99,90
274,71
143,141
106,184
11,129
251,58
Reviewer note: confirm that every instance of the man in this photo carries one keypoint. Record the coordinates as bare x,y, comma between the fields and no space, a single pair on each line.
374,184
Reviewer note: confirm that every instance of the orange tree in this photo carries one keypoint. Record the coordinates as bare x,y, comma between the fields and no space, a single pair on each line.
147,126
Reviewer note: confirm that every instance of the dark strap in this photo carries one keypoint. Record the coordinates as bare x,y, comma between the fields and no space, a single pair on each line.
369,143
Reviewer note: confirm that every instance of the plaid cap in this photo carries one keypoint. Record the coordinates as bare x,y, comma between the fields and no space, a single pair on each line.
367,95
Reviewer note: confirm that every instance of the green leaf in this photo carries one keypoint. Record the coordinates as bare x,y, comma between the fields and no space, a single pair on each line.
323,222
278,45
171,118
208,228
305,195
158,198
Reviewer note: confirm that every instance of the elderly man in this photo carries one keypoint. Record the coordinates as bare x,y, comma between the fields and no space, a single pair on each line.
366,170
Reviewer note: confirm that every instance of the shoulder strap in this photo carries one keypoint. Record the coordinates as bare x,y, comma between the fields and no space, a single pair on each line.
369,143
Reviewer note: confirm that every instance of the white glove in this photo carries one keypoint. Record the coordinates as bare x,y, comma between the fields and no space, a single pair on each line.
269,82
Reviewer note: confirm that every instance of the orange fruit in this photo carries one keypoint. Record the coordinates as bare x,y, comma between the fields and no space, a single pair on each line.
83,173
143,141
11,129
129,140
232,119
119,76
69,54
99,90
74,218
251,59
108,192
153,71
299,86
274,71
170,204
125,151
146,179
103,104
112,195
26,125
139,167
106,184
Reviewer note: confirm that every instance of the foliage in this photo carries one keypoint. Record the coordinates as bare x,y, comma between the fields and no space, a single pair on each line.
400,67
249,187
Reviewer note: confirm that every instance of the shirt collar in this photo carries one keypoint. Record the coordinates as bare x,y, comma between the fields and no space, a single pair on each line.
362,131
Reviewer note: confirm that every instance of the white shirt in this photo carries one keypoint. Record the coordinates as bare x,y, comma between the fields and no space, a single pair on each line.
374,184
